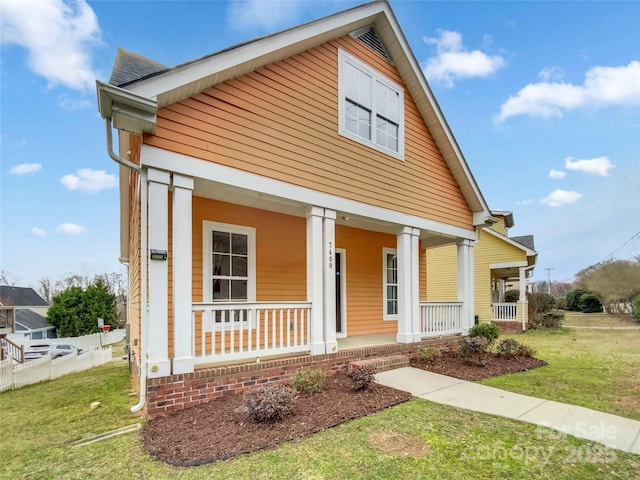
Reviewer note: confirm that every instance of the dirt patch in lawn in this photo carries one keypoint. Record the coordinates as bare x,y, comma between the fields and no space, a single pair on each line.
453,365
217,430
399,444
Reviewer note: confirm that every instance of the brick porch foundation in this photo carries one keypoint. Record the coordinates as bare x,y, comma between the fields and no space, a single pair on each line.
176,392
508,327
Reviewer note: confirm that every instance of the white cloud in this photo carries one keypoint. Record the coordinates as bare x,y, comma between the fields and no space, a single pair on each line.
57,34
557,174
25,168
603,86
453,62
524,203
560,198
596,166
89,180
38,232
269,16
70,229
551,73
73,104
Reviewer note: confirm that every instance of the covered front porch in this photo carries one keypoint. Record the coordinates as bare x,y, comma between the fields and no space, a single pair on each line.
505,276
238,274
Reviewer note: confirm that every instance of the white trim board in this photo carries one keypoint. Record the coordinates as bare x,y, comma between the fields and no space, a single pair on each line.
186,165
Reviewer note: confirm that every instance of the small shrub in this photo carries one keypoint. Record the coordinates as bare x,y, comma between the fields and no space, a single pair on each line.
526,351
362,377
590,303
511,348
636,308
269,404
472,349
546,320
573,299
428,354
309,381
512,296
489,331
540,303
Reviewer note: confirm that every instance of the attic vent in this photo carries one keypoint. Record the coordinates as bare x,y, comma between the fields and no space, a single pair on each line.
370,38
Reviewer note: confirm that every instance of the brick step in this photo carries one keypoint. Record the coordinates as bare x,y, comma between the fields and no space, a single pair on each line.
382,364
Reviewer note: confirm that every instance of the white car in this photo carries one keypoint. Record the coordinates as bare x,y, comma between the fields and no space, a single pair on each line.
56,350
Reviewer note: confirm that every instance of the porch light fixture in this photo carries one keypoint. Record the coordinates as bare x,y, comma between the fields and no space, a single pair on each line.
158,254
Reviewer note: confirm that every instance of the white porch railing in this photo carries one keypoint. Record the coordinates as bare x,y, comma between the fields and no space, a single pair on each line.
504,312
440,318
233,331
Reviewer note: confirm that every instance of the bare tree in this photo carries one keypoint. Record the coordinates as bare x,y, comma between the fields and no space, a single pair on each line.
45,289
617,282
4,278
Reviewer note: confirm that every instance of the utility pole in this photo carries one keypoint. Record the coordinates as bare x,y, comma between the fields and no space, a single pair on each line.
548,269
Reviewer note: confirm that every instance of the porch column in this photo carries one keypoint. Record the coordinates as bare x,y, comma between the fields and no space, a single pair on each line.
522,300
415,285
465,275
329,276
408,285
181,279
158,363
315,278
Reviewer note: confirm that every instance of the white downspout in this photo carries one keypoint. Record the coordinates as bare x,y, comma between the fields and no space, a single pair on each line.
525,301
144,185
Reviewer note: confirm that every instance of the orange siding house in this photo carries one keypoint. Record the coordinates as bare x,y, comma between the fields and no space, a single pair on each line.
278,198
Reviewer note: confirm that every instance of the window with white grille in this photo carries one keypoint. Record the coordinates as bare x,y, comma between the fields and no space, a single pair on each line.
371,107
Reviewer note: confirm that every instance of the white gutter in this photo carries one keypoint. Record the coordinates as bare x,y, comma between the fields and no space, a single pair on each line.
142,368
135,114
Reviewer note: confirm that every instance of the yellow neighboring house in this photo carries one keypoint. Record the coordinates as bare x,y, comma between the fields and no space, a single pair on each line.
501,263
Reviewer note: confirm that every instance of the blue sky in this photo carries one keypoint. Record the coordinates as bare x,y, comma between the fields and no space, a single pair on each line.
543,98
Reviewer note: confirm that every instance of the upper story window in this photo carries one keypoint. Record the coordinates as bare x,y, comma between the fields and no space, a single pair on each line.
371,107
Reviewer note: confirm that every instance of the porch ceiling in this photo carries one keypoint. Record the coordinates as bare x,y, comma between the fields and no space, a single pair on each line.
250,198
510,273
272,203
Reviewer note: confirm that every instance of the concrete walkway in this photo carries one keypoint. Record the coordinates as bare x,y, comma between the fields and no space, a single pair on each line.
611,430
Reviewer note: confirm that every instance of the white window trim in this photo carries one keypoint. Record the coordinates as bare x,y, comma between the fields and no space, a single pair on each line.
386,251
342,130
207,250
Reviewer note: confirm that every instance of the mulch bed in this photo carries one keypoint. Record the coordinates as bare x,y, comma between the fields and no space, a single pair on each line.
217,431
453,365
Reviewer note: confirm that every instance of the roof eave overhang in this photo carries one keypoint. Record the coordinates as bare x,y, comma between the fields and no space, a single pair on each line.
128,111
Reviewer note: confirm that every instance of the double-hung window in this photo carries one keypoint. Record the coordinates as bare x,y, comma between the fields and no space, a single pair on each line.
371,107
390,283
229,267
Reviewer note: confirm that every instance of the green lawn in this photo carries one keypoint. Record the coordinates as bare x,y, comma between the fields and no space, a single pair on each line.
40,422
598,320
594,368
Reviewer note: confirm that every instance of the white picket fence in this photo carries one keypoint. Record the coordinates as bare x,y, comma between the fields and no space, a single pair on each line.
14,376
86,342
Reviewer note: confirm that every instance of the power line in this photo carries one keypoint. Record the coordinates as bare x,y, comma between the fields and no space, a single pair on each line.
633,237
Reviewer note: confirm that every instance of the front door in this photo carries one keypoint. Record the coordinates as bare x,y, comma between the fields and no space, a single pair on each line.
341,328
